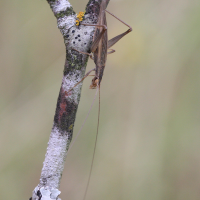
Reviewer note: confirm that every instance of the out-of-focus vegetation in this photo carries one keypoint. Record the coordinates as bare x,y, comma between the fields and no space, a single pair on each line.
149,136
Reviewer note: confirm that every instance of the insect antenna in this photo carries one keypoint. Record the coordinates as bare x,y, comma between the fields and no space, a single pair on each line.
83,122
88,182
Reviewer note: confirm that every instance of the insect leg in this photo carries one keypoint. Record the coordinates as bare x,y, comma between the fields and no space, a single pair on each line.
96,41
112,51
112,41
87,74
89,54
130,28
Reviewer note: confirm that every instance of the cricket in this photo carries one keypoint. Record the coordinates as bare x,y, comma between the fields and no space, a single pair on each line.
99,50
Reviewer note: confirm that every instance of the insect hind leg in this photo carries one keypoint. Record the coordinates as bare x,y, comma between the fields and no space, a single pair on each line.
130,28
112,41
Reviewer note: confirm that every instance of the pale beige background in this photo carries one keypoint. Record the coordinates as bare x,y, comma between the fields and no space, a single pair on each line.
149,136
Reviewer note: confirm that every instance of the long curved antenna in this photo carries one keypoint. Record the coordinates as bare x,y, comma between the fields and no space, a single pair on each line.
83,122
94,148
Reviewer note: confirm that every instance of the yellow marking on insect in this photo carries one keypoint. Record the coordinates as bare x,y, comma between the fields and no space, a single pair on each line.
79,17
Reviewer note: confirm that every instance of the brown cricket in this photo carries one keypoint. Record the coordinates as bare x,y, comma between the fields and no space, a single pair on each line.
100,45
99,50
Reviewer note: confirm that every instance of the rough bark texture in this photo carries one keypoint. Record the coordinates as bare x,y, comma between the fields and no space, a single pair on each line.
80,38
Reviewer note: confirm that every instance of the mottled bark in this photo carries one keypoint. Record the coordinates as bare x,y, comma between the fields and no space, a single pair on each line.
80,38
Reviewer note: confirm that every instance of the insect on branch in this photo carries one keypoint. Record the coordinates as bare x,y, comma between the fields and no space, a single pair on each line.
80,38
82,33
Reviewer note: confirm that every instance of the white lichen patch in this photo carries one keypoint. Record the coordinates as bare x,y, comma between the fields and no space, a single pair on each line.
69,81
65,23
61,5
81,37
55,157
46,193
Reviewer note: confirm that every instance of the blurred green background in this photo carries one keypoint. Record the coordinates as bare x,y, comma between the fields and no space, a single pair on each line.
149,136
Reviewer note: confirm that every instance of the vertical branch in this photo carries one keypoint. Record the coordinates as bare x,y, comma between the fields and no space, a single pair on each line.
80,38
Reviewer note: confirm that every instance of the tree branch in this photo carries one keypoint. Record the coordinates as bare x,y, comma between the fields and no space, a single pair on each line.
79,38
